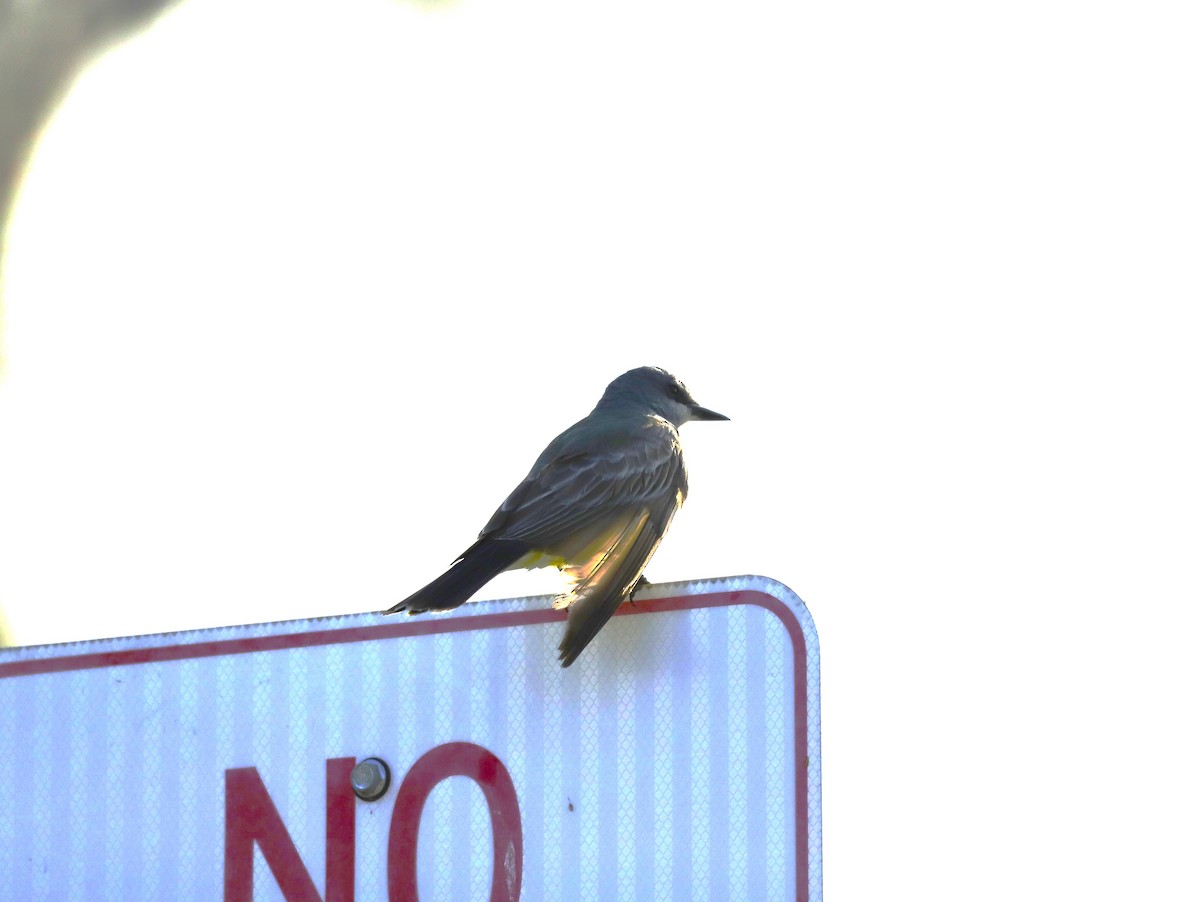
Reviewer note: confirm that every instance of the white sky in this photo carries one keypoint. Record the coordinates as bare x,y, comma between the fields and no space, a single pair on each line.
296,292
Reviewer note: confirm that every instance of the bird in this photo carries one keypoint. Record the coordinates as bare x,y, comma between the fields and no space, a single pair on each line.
595,504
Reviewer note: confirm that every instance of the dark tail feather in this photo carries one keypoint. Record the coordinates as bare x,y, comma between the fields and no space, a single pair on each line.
466,576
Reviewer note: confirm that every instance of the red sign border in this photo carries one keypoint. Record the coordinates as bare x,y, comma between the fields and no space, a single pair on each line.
434,625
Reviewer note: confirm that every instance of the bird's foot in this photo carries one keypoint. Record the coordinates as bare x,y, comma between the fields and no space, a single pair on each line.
642,583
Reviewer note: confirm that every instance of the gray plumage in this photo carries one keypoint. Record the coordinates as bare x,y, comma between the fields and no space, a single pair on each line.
595,504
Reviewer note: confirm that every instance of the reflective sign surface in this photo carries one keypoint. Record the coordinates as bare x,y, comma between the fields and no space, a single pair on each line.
679,758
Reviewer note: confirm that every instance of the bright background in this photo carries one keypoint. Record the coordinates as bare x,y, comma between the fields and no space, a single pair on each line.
295,292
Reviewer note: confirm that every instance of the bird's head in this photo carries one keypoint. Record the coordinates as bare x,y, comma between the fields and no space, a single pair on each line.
657,391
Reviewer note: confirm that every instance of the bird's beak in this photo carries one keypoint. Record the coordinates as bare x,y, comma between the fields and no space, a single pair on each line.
703,413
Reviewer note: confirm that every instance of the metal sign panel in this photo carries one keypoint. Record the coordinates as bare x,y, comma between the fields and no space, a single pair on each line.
679,758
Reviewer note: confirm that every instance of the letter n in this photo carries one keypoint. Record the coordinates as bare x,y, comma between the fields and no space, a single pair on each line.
251,817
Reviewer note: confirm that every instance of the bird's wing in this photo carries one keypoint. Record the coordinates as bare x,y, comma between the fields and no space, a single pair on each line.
598,476
601,496
597,595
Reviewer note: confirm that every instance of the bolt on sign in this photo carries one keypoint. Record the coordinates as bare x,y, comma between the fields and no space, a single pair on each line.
434,757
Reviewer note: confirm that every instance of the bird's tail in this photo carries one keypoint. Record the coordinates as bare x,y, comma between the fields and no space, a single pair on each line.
466,576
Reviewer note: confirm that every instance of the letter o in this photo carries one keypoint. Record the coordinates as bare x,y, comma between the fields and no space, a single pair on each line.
456,759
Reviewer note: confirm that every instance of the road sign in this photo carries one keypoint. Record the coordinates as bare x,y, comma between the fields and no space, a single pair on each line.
679,758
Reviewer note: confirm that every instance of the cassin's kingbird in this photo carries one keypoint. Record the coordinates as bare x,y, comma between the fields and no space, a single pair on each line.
596,504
